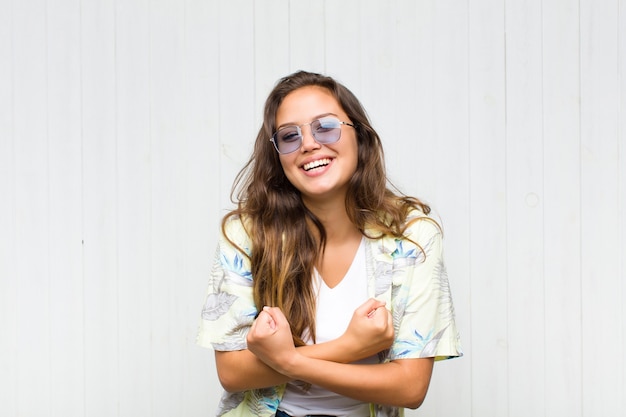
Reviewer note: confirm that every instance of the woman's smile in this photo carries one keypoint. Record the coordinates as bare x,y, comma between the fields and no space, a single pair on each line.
317,166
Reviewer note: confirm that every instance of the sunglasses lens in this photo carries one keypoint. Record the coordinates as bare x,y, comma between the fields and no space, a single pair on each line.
326,130
288,139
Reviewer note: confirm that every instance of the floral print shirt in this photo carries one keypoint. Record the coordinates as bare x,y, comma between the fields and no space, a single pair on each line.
411,279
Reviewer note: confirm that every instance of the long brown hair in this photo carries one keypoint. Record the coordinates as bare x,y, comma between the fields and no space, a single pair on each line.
284,250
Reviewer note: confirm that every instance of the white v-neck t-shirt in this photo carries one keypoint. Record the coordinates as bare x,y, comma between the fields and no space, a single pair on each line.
335,307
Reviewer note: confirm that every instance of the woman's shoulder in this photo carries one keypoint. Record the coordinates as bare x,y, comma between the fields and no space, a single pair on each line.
420,226
417,228
233,222
235,229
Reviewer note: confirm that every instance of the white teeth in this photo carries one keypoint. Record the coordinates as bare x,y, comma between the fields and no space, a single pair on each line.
315,164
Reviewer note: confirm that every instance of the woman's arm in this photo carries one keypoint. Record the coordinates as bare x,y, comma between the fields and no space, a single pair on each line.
401,383
369,332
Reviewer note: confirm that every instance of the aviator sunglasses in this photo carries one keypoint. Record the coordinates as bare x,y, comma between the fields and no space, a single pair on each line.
325,130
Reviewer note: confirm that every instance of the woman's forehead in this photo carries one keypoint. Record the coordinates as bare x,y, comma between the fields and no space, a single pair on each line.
307,103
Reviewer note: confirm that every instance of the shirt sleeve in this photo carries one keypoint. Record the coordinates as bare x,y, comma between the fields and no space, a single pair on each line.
421,299
229,309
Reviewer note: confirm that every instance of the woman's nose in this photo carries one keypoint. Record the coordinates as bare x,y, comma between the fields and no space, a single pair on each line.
308,141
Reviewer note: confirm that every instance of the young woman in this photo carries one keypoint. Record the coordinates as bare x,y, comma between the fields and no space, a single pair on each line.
328,293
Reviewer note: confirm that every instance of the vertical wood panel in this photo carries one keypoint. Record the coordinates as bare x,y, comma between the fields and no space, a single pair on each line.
209,389
100,221
562,221
307,41
408,129
31,208
524,190
8,237
201,208
376,40
343,45
600,190
271,50
134,210
488,252
622,180
236,80
449,140
168,147
65,213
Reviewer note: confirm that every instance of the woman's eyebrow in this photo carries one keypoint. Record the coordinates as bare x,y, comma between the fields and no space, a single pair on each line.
319,116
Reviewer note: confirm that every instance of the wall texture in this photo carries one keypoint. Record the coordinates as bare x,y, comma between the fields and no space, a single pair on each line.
123,124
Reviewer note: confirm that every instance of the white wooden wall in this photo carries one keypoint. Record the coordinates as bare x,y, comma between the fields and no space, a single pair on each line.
123,123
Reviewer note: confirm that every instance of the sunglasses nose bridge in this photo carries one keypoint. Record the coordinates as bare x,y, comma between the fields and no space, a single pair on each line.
308,136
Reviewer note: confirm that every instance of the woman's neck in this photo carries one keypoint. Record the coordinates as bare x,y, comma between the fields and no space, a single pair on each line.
342,242
336,222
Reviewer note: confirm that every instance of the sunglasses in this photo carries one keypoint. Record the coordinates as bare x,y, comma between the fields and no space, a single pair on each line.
325,130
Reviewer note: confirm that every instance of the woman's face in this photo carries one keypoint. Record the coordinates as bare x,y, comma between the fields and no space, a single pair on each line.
319,171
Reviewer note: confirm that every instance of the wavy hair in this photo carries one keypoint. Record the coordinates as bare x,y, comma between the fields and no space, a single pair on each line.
284,250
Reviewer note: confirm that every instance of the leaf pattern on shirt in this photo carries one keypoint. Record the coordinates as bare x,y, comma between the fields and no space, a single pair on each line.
415,344
236,278
383,272
217,305
231,400
430,349
386,411
410,255
235,338
446,306
383,283
425,344
263,400
398,308
237,269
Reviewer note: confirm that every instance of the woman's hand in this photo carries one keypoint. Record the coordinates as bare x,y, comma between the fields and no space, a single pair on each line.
270,338
370,330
